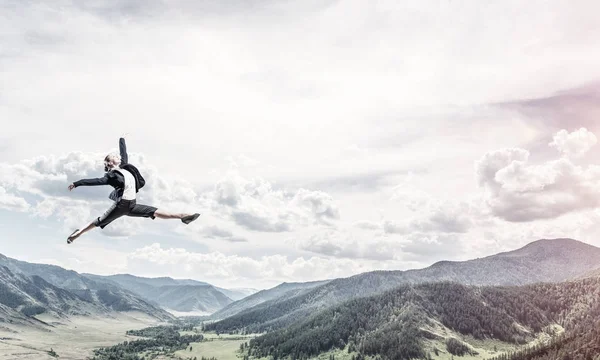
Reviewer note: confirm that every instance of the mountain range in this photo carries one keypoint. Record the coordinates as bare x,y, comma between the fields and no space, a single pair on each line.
22,297
30,289
546,260
539,302
545,287
414,321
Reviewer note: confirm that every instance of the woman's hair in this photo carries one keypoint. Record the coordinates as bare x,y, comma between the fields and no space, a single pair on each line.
111,159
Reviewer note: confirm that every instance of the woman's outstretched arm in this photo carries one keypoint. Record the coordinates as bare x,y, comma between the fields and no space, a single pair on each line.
90,182
123,150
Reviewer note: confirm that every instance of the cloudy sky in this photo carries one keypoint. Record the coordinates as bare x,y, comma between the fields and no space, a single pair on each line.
318,139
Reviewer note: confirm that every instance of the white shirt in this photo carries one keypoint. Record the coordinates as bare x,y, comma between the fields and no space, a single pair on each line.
129,190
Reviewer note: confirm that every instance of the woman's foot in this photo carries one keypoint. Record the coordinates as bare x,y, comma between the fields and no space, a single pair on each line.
72,237
188,219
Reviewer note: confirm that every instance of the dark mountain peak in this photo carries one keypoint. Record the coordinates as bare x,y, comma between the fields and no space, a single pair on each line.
557,242
543,249
443,263
560,242
559,247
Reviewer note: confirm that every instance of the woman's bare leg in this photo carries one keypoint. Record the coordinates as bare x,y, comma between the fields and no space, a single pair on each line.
185,217
169,215
80,232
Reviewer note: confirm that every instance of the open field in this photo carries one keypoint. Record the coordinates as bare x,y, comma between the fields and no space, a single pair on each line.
222,347
74,338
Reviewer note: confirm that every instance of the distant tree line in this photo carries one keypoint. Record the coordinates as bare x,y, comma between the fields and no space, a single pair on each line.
162,339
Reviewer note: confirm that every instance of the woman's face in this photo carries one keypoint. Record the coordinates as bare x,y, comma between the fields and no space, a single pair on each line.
110,161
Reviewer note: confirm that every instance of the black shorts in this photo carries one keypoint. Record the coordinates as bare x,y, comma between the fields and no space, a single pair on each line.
124,208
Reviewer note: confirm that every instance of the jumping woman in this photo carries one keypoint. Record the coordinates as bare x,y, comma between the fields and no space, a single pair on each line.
126,181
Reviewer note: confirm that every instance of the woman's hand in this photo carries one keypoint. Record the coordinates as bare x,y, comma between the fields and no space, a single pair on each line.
71,187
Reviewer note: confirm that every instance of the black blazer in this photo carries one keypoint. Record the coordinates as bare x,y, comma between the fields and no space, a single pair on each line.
112,178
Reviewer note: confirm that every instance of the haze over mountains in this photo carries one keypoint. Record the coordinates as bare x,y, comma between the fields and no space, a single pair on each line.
187,295
143,284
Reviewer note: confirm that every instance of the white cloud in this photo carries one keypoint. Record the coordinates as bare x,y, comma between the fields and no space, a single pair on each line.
215,232
431,216
447,218
251,203
416,247
574,144
425,247
319,203
76,214
237,270
226,193
48,177
9,201
255,219
520,191
344,244
412,198
87,257
368,225
255,205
